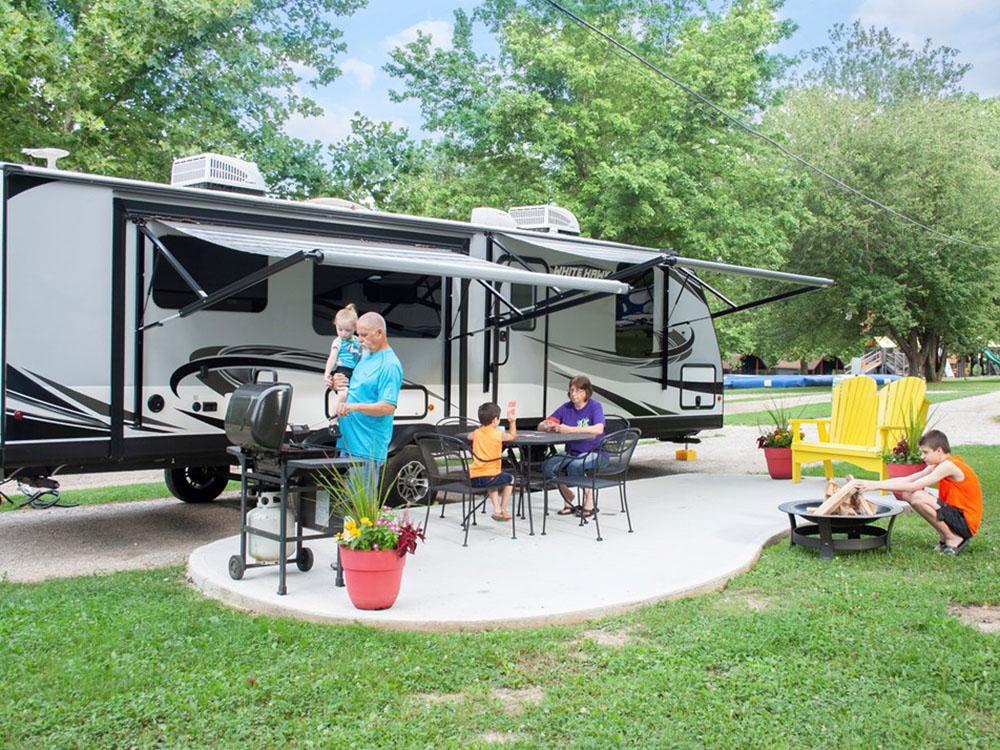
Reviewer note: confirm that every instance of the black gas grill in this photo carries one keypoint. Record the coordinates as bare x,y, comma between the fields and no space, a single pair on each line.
273,458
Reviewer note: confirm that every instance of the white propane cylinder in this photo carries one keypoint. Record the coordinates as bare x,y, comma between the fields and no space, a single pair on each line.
265,517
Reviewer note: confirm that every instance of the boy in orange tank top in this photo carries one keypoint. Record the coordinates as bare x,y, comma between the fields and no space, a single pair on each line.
486,471
957,510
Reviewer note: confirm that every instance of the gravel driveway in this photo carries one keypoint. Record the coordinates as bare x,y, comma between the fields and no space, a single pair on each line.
35,545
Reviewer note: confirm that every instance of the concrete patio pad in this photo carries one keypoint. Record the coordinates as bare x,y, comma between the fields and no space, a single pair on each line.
693,532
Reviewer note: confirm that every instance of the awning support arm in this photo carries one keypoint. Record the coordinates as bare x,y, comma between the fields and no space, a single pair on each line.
241,284
506,302
764,301
172,260
705,285
573,298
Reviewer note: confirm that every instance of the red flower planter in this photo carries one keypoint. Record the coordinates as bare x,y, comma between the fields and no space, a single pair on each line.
372,577
779,462
903,470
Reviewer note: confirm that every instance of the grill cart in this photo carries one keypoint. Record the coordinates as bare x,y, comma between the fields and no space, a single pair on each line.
271,461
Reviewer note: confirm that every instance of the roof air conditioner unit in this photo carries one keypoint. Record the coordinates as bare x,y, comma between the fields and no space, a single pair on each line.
492,217
546,219
218,172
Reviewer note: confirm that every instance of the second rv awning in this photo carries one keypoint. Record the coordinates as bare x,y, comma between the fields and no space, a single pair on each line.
380,256
596,250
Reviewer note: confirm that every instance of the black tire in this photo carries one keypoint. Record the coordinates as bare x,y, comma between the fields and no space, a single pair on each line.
407,476
304,560
236,567
197,484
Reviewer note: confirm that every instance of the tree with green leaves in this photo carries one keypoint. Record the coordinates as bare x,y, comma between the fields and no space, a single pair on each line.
556,116
888,124
127,85
376,164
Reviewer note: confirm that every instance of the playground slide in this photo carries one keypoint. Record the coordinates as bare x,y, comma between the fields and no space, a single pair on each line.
988,353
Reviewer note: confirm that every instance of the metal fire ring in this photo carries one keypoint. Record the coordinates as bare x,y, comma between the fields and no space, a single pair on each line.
861,532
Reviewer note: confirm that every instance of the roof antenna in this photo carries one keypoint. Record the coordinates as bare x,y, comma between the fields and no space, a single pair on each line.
51,155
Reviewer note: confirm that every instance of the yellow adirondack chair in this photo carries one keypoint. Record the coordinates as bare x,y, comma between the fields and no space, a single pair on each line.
900,403
849,434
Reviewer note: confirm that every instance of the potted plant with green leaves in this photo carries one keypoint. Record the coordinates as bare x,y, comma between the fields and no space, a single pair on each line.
904,457
776,441
374,541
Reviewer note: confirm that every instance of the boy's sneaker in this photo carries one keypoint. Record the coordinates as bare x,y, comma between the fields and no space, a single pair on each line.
955,551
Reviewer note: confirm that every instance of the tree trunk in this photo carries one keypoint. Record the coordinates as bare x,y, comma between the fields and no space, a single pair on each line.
916,355
932,370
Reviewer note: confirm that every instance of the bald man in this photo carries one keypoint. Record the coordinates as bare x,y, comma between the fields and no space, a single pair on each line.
373,392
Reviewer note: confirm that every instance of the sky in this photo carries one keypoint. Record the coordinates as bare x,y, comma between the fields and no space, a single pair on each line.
971,26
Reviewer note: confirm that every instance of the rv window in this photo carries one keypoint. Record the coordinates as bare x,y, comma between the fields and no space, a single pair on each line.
212,267
410,304
524,295
634,318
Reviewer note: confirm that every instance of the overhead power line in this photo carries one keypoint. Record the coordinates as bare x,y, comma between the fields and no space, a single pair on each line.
767,139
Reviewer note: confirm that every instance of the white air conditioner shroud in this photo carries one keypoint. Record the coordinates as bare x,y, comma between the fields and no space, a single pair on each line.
545,218
217,171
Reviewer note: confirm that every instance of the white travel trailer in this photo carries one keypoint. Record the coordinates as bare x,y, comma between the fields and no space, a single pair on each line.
131,310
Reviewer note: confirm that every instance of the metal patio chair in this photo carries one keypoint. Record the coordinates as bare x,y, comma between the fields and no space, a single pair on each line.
448,459
618,447
615,423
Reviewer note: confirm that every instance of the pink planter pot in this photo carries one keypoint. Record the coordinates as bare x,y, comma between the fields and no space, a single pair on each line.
779,462
903,470
372,577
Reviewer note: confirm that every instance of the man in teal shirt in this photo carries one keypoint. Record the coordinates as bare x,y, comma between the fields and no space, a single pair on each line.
372,395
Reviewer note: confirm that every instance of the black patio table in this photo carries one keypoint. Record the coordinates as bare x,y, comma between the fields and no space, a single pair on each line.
526,439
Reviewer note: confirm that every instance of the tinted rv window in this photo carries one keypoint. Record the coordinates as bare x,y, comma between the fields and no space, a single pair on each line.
410,304
212,267
634,317
523,295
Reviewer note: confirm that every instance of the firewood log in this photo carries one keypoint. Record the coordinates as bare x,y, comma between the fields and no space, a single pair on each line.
833,501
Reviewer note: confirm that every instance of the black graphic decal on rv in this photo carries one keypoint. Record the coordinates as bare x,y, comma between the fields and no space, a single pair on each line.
622,402
35,413
102,408
233,370
23,387
681,339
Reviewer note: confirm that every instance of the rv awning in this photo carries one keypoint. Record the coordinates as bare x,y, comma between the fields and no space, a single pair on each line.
633,260
583,249
631,254
380,256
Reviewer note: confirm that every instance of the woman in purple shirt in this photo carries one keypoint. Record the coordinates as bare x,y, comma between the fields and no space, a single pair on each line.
582,416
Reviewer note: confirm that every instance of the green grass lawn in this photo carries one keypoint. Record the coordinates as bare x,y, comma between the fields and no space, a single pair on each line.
859,652
118,494
936,393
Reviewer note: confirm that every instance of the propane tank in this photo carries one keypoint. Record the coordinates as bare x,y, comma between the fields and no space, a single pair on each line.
266,517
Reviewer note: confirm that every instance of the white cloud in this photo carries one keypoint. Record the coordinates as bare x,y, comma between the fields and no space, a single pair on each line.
970,26
332,125
303,71
360,71
440,33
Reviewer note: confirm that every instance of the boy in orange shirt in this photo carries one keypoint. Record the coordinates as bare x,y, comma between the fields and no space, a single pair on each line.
956,512
487,447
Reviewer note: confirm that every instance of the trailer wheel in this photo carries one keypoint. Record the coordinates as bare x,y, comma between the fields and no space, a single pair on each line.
197,484
407,477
